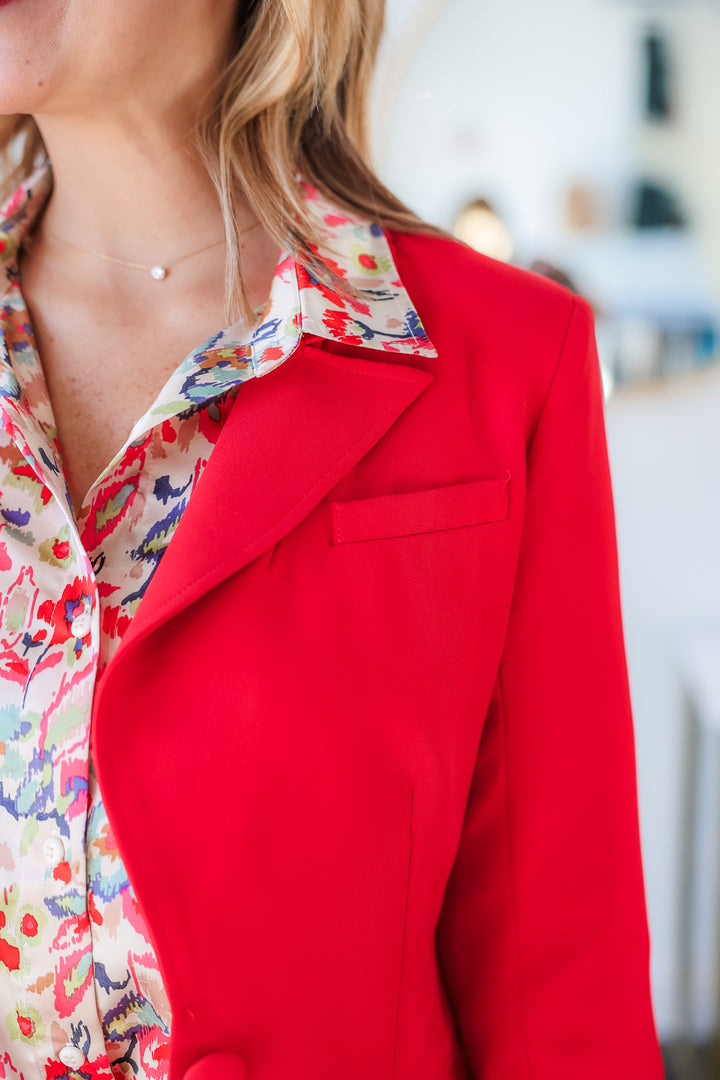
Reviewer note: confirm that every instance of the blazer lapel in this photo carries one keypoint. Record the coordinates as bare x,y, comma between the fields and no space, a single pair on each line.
289,438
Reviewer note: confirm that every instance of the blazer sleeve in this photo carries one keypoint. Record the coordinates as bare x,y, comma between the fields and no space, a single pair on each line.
543,938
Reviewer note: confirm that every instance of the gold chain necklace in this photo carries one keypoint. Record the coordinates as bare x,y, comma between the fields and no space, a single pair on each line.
158,271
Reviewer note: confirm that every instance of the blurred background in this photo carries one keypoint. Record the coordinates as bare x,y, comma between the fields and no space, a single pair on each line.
581,139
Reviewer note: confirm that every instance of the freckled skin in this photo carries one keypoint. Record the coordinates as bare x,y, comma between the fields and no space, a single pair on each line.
58,56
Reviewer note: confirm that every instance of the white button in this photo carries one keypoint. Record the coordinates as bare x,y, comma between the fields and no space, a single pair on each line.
81,624
72,1056
54,853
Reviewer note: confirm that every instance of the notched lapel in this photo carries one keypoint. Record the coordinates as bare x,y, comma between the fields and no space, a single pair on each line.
289,438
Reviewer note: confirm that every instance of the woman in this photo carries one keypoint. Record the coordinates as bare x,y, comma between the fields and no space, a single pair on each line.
318,754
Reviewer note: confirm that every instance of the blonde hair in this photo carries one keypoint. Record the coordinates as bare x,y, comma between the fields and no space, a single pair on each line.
291,98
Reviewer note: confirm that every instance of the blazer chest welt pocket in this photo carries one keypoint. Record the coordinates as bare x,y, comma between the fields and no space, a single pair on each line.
410,513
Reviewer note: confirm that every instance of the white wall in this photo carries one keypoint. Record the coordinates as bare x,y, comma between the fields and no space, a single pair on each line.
500,94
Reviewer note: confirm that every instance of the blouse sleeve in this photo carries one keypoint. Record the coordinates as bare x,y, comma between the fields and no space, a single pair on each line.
543,937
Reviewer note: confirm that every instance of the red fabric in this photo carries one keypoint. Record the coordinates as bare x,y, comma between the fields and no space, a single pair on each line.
217,1067
367,746
409,513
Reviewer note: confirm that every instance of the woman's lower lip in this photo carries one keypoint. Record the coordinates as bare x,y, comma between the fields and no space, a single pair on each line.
4,3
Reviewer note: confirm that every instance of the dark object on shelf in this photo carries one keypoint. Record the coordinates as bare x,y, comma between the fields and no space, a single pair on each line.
656,206
657,94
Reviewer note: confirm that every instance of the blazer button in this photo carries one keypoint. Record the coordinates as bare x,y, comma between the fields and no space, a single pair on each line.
217,1067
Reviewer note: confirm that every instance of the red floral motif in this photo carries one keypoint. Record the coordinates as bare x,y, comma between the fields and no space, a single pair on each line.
7,1069
60,615
70,987
368,262
9,955
154,1052
20,667
305,281
25,1024
61,549
28,473
89,1070
115,621
334,221
168,432
110,505
338,323
29,925
93,911
352,303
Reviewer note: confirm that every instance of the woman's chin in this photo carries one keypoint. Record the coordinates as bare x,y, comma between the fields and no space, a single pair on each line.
29,78
24,94
33,49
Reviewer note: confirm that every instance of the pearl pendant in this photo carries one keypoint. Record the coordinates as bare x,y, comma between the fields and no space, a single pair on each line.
159,273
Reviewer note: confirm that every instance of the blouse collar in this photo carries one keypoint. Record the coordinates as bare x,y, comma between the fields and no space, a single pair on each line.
381,316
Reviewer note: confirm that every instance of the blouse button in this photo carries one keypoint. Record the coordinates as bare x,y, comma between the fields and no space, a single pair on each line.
81,624
71,1056
54,853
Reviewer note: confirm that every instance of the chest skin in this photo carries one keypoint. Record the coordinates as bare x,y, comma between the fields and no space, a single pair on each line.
110,337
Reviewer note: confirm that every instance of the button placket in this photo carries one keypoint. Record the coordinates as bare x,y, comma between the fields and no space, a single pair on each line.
54,640
53,848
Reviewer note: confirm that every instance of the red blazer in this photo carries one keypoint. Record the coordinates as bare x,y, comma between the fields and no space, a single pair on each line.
367,746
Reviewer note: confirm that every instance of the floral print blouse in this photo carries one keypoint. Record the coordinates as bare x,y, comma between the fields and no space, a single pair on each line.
81,994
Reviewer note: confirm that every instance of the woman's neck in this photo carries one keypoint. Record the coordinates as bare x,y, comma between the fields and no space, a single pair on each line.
135,192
